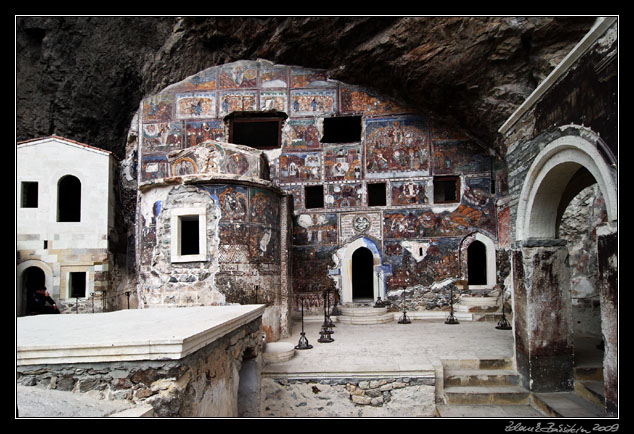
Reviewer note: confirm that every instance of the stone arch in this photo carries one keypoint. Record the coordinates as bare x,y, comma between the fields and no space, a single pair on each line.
378,283
20,293
549,176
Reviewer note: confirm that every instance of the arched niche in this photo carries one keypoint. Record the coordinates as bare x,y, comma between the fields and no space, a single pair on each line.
489,261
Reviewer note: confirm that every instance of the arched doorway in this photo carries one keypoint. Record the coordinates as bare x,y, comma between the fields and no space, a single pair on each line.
541,266
477,263
33,278
362,274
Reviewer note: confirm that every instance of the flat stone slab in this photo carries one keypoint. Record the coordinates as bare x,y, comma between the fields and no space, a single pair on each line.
135,334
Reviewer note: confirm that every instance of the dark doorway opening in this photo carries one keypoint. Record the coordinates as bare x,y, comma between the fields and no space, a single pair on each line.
477,263
362,274
33,279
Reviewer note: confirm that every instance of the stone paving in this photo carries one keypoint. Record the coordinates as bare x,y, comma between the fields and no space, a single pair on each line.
393,347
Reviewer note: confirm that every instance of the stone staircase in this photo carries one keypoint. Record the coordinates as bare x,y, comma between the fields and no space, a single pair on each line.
483,388
363,313
480,308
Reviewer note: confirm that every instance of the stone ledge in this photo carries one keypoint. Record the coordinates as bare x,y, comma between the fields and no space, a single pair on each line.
127,334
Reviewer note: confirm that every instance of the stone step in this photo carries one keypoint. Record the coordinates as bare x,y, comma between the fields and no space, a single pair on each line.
487,395
365,319
487,411
480,364
566,404
276,352
590,390
588,373
362,311
481,377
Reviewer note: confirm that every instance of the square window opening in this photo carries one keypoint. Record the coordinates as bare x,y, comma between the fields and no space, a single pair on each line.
77,284
447,189
29,194
314,196
256,131
190,237
376,194
345,129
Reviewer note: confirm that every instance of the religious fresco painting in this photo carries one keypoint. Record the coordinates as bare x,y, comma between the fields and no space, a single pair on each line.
396,146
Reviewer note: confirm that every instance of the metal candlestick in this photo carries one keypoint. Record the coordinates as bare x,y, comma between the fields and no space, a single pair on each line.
303,341
503,324
404,319
326,331
451,319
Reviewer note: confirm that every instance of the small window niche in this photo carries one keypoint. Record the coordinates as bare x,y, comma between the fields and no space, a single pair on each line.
377,194
344,129
77,284
259,130
313,196
447,189
29,195
188,238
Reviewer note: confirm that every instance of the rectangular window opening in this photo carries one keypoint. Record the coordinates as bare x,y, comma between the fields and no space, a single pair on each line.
314,196
344,129
376,194
77,284
29,194
190,241
258,133
447,189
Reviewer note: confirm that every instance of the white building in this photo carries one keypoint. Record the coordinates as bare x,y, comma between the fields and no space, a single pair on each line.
64,214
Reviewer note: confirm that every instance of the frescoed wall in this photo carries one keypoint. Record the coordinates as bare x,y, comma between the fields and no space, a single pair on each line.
186,127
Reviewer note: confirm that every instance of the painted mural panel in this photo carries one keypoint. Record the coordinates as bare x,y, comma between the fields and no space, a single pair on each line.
357,100
301,78
233,202
396,147
344,195
404,223
199,132
300,135
274,100
237,101
273,76
154,167
264,246
300,167
204,80
313,102
264,207
158,108
459,157
342,163
238,75
409,192
313,229
164,136
197,105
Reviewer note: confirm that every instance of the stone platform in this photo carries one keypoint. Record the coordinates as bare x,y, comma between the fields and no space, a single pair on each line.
124,335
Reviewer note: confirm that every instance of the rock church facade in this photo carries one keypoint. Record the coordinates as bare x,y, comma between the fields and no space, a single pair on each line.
336,188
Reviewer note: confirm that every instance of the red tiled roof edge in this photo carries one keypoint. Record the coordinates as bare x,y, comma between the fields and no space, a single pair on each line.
67,140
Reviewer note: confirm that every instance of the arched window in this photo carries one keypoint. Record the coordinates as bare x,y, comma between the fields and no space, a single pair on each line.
68,199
